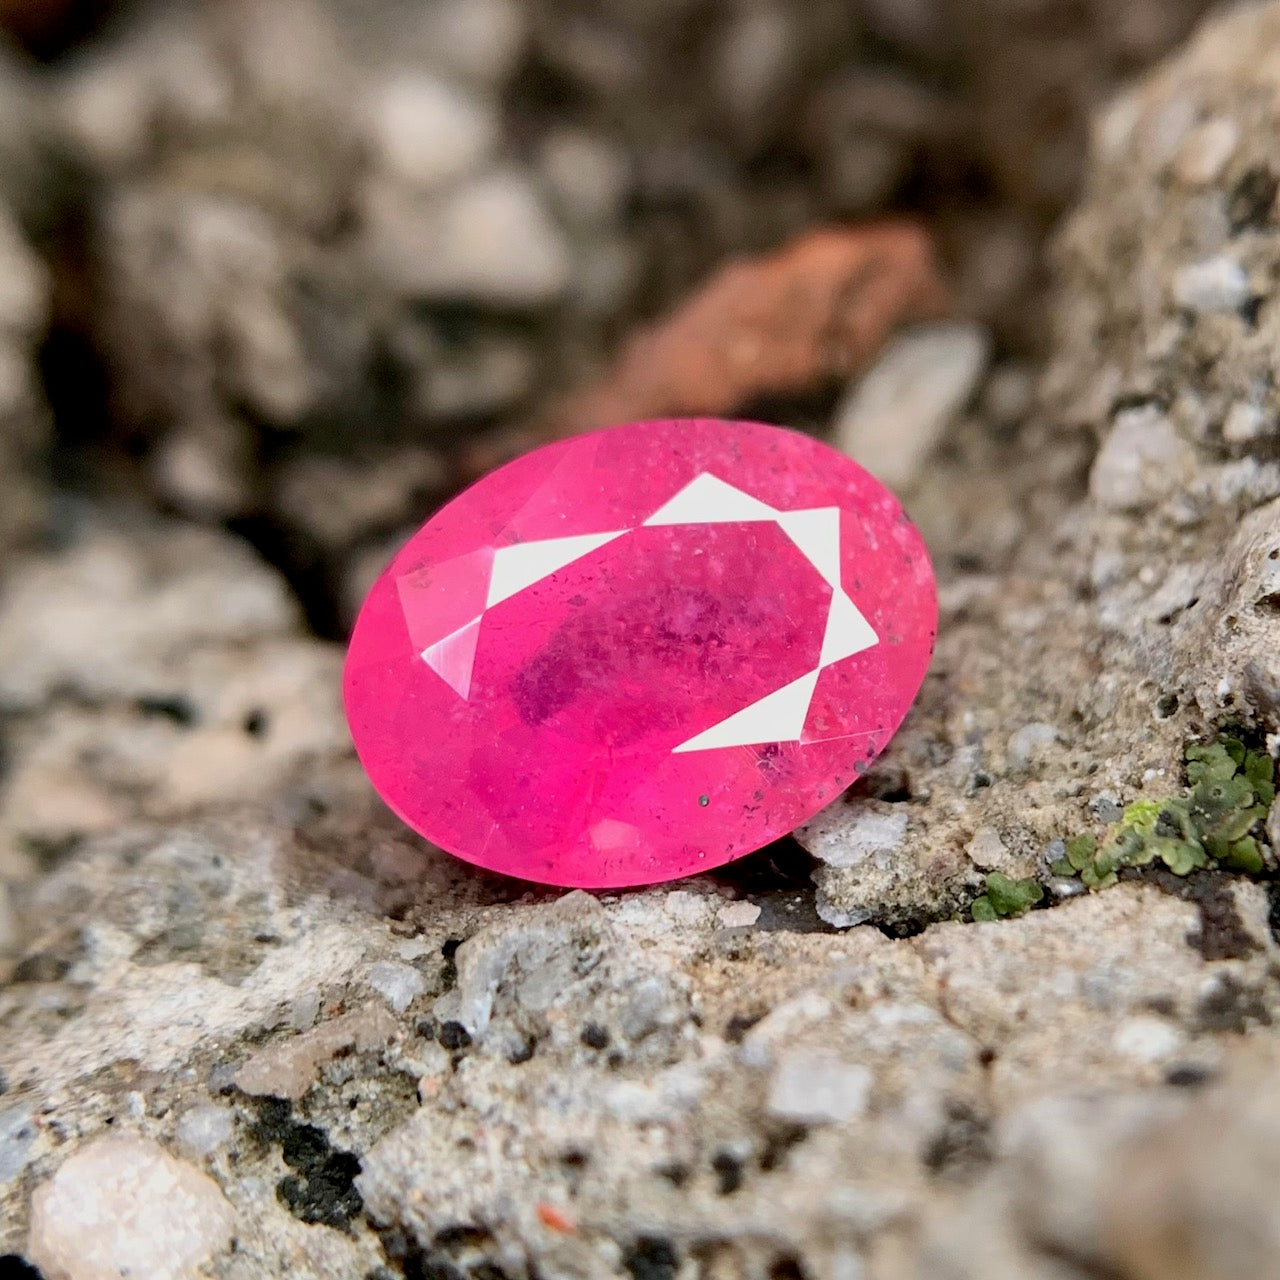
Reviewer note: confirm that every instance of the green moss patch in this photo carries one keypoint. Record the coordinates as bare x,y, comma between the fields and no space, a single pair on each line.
1216,822
1006,897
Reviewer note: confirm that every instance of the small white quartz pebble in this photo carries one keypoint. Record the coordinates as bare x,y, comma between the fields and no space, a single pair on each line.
1142,459
1244,422
986,849
1216,284
1146,1039
738,915
688,908
817,1086
1030,742
900,409
202,1130
854,834
429,132
489,240
397,984
122,1206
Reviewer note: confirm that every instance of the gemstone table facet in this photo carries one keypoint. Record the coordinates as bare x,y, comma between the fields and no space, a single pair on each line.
641,653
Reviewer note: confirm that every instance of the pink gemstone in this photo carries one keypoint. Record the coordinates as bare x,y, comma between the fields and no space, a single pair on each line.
641,653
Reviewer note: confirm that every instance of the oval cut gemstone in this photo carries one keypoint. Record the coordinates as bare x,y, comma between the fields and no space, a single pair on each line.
640,653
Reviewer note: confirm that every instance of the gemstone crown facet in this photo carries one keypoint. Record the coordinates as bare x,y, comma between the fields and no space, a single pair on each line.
640,653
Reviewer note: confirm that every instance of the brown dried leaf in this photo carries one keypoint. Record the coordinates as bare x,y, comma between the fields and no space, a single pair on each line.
815,311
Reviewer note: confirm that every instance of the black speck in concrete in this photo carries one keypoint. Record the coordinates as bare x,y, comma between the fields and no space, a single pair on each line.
738,1026
322,1189
728,1171
453,1035
449,970
1231,1006
961,1145
594,1036
1273,909
171,706
257,724
1220,933
1250,310
1189,1075
788,1267
431,1265
523,1051
651,1258
43,966
779,1142
15,1267
1252,199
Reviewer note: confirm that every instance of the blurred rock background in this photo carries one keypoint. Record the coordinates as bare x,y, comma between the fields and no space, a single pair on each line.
276,278
299,267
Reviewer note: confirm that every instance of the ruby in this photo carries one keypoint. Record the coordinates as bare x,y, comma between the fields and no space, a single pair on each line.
641,653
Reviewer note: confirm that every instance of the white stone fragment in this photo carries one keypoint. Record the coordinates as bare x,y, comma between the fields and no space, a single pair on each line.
839,917
755,54
1244,423
986,849
203,1129
304,1010
397,984
122,1206
1146,1039
738,915
1141,460
489,241
895,415
428,132
17,1137
817,1087
1216,284
24,284
288,1068
859,834
476,40
1030,742
686,907
10,934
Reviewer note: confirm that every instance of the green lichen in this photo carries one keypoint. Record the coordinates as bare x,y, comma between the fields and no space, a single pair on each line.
1216,821
1006,897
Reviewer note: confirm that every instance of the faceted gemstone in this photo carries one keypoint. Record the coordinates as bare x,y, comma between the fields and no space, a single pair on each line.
640,653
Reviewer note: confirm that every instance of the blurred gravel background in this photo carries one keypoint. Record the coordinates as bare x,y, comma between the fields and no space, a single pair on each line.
300,267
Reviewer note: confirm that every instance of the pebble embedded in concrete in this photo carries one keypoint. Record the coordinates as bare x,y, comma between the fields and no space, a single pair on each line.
122,1206
1216,284
17,1138
204,1129
895,415
818,1087
861,833
1141,460
398,984
1030,743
